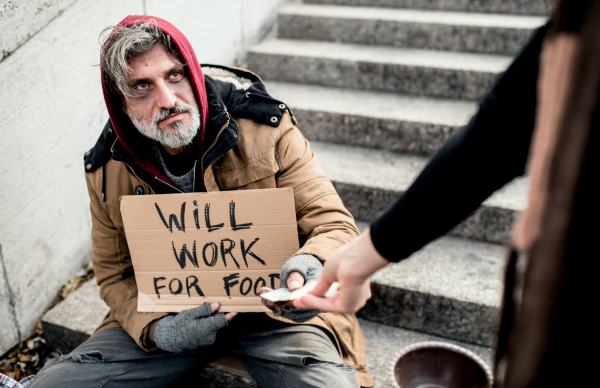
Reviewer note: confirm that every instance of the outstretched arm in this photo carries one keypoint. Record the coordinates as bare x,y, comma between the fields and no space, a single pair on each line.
351,266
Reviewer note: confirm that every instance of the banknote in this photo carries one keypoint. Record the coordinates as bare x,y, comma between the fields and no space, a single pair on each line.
284,295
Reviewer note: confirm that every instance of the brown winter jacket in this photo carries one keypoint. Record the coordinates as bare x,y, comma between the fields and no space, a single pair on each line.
266,156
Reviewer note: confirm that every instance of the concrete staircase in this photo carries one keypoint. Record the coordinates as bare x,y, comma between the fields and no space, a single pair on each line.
378,86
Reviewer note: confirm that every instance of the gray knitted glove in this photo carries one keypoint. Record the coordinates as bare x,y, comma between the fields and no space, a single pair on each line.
310,267
189,329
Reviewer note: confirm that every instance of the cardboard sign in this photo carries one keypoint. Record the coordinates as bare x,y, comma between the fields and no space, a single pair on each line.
223,247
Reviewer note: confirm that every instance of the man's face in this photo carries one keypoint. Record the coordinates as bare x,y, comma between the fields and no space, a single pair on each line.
165,108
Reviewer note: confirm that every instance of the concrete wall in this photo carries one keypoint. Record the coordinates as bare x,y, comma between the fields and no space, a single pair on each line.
221,31
20,20
52,111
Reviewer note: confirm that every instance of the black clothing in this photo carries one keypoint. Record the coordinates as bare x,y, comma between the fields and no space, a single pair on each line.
479,159
178,164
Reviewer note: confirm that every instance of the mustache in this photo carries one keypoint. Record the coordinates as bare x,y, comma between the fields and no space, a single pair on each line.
164,113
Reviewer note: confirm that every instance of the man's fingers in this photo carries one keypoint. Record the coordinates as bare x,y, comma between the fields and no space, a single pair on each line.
214,307
264,289
267,303
295,280
197,312
270,305
229,316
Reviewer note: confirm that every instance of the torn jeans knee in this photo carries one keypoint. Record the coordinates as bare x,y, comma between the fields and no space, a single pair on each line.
316,372
83,358
312,361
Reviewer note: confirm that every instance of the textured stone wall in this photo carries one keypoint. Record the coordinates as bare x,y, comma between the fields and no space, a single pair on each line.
52,111
20,20
9,332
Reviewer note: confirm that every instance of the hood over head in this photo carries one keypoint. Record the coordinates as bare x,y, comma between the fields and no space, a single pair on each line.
132,141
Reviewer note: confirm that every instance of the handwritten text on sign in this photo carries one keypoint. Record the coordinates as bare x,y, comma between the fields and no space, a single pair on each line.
223,247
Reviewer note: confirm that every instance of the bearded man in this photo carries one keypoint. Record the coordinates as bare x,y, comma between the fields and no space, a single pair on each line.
174,129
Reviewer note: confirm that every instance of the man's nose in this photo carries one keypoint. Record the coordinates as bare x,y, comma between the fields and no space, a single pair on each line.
166,96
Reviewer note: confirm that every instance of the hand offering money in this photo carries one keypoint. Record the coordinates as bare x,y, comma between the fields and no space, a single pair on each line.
284,297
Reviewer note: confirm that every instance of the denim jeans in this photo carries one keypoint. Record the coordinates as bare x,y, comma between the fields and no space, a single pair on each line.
275,354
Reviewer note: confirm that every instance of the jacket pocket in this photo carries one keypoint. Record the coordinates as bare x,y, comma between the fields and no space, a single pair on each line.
230,176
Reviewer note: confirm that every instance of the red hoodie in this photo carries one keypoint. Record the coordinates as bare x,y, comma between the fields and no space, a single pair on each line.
128,135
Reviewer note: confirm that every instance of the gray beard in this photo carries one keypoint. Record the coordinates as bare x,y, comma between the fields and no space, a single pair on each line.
183,136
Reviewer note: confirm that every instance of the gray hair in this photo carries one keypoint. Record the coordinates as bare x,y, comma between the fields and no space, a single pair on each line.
125,43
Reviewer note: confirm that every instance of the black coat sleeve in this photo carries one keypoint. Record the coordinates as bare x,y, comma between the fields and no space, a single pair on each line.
479,159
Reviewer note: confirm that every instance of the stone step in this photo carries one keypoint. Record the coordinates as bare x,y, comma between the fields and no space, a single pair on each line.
517,7
416,125
378,68
437,30
452,288
383,342
74,320
369,180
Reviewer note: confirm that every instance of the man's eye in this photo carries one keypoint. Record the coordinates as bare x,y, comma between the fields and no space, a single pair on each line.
175,74
141,86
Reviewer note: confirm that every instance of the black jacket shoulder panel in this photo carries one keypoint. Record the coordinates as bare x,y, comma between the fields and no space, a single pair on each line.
100,153
253,103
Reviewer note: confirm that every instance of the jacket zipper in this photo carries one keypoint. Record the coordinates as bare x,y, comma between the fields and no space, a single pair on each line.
212,145
194,175
160,180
